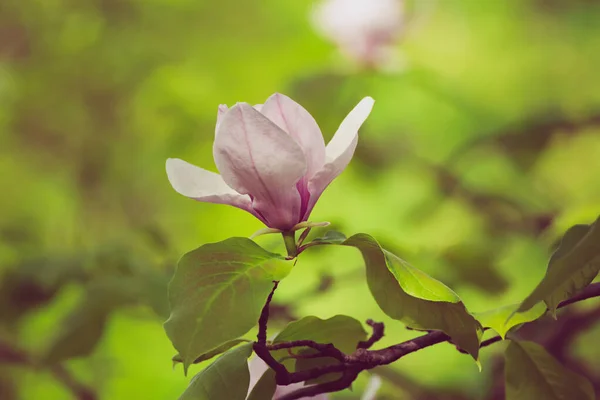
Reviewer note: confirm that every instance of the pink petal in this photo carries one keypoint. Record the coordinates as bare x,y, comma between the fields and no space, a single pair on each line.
339,151
222,109
202,185
257,158
299,124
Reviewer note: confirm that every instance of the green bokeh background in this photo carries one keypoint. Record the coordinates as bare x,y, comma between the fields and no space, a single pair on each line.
481,149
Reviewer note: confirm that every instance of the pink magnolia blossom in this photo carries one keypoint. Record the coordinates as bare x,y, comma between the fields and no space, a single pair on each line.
272,159
364,30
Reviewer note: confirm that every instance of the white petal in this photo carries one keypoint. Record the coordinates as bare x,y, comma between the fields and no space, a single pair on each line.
257,158
202,185
341,147
299,124
339,151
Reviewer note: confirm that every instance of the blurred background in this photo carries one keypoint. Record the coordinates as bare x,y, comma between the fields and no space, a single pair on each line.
482,148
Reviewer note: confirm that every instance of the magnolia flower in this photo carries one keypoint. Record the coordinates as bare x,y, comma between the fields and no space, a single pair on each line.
272,159
364,30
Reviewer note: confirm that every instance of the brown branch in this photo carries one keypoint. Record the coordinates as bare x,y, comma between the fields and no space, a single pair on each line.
362,358
590,291
10,355
260,346
376,336
264,317
344,382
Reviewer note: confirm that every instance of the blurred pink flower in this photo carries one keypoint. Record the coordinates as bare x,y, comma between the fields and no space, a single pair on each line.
364,30
272,159
258,367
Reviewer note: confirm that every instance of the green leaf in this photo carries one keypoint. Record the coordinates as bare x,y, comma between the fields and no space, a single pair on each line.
572,267
217,293
227,378
505,318
409,295
532,373
416,283
342,331
265,387
214,352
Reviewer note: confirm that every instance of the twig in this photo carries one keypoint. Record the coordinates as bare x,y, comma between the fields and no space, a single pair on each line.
10,355
378,329
362,358
590,291
344,382
264,316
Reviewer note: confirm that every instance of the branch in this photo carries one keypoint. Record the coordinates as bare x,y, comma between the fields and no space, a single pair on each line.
378,329
260,346
328,387
264,317
350,365
590,291
10,355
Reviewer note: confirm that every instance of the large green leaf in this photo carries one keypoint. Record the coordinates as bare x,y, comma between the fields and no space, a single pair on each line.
227,378
505,318
409,295
532,373
217,293
572,267
342,331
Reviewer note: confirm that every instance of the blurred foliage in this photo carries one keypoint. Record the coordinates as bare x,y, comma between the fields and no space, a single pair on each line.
478,155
